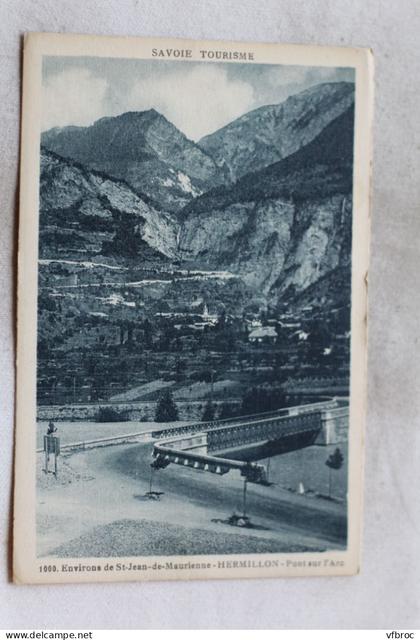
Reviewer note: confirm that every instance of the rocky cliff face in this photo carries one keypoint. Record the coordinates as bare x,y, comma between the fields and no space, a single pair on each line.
285,227
269,134
145,150
320,243
274,245
250,239
85,212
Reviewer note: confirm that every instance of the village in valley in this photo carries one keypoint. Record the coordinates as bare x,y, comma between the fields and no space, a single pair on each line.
131,335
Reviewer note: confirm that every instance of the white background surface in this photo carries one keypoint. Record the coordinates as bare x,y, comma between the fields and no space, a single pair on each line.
387,592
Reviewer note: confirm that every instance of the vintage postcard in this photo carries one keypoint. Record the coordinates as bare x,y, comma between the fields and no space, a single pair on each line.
193,258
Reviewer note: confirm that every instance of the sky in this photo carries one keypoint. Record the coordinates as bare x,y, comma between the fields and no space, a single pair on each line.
197,97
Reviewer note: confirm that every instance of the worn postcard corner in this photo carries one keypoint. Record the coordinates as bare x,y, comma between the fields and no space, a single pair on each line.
193,251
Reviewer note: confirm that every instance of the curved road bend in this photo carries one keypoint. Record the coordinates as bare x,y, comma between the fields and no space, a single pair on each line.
276,508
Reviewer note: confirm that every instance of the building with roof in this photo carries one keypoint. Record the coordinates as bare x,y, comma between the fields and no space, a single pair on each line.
261,335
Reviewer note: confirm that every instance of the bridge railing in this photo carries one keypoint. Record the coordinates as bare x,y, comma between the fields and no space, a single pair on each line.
208,450
214,424
165,454
272,428
103,442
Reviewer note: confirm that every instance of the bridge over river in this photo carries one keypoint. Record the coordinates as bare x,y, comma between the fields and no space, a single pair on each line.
221,446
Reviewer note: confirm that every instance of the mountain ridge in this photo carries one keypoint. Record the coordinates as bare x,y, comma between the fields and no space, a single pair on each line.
269,133
85,210
322,150
145,149
280,228
284,226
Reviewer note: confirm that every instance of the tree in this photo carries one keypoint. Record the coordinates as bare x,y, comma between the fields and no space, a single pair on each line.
221,320
262,399
208,413
334,461
148,333
179,368
109,414
227,411
166,409
203,376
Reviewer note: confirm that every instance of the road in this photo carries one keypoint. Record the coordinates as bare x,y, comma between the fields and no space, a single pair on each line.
107,486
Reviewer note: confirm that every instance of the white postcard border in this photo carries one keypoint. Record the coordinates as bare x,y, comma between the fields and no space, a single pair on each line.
26,564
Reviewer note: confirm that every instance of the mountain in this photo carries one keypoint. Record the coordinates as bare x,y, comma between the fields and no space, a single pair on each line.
85,213
145,150
284,227
280,228
333,290
155,158
269,134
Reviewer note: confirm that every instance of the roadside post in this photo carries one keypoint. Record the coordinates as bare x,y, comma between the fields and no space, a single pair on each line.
51,446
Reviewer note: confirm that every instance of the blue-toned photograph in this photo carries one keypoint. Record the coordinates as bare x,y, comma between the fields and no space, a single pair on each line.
194,308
